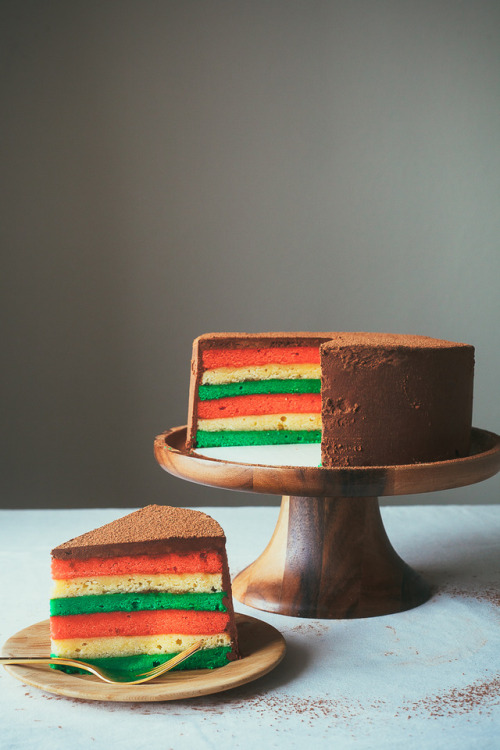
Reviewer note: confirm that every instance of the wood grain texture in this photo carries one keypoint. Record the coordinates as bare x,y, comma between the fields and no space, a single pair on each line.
259,585
262,648
330,558
360,481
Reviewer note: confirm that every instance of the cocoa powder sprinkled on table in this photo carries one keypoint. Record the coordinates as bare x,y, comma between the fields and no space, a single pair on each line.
479,696
310,628
489,595
308,708
265,707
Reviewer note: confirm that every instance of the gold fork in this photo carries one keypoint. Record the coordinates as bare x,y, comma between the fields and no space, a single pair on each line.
107,675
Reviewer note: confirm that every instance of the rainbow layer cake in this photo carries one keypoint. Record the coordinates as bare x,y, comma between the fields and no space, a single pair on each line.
134,593
370,399
255,389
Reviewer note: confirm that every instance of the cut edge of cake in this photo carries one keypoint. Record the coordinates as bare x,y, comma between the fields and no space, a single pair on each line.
293,373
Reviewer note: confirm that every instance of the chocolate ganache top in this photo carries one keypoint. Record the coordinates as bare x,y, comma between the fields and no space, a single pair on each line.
152,530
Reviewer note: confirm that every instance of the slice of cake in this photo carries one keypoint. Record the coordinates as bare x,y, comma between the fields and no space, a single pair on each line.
134,593
370,399
255,389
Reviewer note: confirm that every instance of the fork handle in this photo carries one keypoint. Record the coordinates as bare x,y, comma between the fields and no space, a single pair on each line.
5,660
24,659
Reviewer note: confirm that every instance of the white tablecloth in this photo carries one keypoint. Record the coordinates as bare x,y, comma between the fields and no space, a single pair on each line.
426,678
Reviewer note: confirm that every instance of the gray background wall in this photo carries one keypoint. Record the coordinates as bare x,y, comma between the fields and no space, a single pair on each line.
171,168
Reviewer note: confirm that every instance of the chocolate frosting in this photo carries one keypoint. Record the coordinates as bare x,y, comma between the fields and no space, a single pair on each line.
391,399
152,530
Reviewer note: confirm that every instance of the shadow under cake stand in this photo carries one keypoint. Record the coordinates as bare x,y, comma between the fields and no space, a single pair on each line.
329,556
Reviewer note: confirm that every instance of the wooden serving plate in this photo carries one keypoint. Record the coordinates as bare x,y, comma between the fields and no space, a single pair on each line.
329,555
262,648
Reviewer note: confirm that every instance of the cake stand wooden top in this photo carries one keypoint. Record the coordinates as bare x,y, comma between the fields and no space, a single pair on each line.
362,481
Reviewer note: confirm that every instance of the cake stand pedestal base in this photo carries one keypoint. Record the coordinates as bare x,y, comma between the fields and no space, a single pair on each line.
330,557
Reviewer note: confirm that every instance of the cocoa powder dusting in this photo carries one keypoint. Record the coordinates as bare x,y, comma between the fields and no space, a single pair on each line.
479,696
264,706
310,628
489,595
152,523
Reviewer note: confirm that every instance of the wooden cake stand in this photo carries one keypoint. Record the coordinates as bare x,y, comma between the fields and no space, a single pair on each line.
329,555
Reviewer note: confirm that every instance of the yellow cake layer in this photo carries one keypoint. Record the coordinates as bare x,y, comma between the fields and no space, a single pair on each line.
263,422
221,375
88,648
178,583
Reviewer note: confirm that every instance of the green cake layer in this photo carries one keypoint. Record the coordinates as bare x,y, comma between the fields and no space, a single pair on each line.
206,439
208,658
249,387
81,605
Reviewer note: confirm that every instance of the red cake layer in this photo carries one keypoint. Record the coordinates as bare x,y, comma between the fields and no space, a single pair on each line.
273,403
143,622
233,358
194,562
